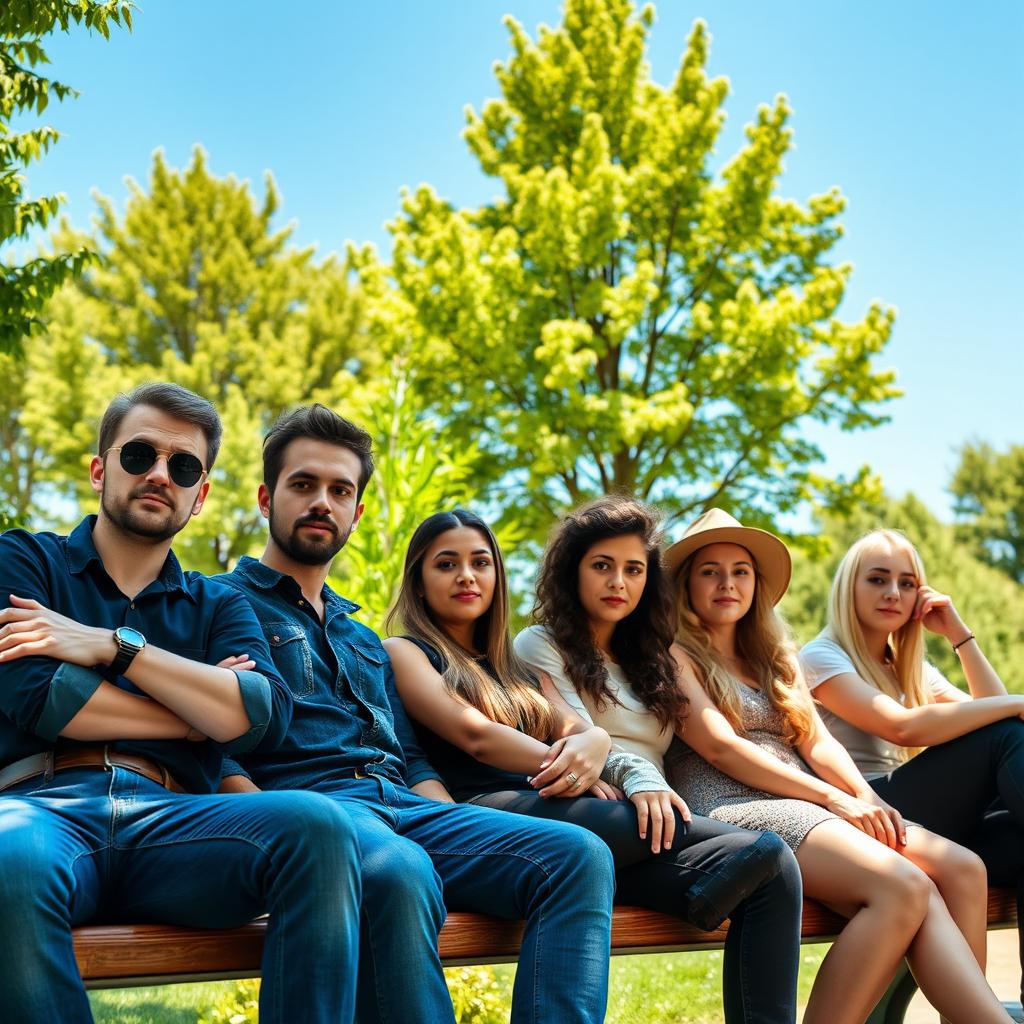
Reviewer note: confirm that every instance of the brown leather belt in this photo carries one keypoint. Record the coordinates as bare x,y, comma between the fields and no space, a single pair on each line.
51,761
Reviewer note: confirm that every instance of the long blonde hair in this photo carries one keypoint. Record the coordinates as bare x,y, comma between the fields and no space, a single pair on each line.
511,699
906,645
762,643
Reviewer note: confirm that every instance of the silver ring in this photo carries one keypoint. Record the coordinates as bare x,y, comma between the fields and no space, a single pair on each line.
575,778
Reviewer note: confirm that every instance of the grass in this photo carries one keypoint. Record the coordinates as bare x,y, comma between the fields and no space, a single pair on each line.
667,988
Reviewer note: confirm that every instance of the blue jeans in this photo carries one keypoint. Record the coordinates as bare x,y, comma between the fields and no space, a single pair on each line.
713,871
91,845
419,856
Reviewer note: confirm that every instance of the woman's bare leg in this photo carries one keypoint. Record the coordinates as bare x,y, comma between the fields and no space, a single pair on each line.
962,881
894,910
887,899
944,967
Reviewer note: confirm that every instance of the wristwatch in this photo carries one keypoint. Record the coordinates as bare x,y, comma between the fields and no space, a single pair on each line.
129,642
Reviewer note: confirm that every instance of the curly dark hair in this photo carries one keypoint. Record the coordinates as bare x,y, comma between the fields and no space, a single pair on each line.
641,642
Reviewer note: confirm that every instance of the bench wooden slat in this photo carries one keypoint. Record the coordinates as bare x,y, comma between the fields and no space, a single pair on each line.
137,953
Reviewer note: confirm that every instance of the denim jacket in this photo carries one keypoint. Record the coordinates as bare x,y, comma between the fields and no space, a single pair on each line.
348,717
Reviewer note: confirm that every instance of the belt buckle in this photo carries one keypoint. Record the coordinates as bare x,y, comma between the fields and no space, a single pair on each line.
106,758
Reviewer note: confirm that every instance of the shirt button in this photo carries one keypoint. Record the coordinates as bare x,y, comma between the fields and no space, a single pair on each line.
132,605
301,603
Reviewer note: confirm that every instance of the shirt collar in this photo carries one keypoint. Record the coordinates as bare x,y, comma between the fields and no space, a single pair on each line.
81,553
266,578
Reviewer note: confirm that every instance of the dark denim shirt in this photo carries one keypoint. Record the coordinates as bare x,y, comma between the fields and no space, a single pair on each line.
184,613
347,713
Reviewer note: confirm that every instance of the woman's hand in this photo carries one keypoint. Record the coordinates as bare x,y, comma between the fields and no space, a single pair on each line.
936,613
869,796
606,791
654,810
573,764
870,817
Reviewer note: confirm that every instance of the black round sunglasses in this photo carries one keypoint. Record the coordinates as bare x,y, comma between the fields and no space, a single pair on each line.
138,457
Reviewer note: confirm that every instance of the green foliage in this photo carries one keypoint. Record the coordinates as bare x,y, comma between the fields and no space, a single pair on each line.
622,318
240,1006
418,473
25,288
477,996
196,287
991,604
989,490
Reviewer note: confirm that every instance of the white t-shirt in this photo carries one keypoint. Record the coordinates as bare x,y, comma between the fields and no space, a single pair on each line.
823,659
631,726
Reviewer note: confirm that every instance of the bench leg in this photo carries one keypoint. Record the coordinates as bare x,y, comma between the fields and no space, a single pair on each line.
893,1005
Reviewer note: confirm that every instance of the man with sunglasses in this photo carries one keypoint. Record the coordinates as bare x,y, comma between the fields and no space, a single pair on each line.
123,682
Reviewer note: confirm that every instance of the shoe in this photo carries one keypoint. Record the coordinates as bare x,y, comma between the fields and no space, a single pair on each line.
1016,1012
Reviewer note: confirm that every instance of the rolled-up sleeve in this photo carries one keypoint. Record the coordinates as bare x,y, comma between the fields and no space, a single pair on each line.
265,697
257,699
71,686
229,766
38,695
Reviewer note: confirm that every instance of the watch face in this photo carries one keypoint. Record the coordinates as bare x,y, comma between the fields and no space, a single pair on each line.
132,637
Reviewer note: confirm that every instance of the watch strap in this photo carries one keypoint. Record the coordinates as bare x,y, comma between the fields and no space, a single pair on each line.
125,655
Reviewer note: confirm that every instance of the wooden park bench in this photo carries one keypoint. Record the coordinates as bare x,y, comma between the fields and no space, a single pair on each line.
123,956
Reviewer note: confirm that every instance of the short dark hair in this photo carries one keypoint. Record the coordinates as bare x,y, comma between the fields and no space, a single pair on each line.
321,424
172,399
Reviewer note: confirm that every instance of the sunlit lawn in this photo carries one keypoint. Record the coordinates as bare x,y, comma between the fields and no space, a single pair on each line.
668,988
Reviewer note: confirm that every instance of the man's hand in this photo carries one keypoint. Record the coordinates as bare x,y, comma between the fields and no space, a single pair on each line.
433,789
237,784
28,629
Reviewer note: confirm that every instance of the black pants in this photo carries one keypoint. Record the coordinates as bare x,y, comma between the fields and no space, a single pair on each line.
713,871
971,790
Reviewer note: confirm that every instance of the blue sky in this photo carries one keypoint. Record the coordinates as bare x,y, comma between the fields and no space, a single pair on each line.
913,109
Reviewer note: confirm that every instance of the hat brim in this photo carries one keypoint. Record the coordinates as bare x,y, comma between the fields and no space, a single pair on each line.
774,564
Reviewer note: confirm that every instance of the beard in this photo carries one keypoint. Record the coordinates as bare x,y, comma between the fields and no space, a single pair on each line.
155,526
308,550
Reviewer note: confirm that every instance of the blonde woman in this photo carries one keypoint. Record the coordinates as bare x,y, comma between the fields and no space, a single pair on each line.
759,756
885,702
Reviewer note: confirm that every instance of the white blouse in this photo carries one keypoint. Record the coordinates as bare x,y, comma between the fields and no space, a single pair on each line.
631,726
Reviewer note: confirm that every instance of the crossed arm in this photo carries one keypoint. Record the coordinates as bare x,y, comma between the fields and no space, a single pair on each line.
184,698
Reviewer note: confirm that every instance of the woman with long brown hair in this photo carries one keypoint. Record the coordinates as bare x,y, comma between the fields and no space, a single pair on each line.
758,755
500,736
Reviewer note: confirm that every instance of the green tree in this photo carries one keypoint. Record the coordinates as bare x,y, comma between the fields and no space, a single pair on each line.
991,604
623,317
197,287
989,490
25,288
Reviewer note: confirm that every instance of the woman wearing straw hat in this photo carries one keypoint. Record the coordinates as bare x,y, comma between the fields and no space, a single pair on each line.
758,755
885,702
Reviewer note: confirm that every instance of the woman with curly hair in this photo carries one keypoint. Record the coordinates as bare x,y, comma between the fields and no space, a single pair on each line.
758,755
951,761
602,644
499,736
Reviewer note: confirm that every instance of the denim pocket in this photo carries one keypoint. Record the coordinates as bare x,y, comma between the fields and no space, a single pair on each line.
290,651
367,668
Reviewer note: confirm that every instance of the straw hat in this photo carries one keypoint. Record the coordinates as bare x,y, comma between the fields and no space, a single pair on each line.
774,565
